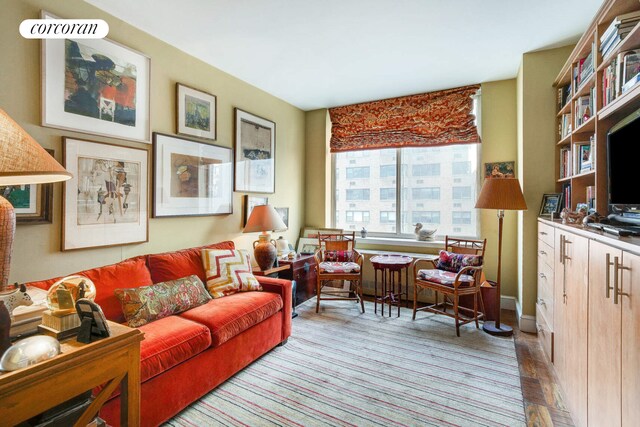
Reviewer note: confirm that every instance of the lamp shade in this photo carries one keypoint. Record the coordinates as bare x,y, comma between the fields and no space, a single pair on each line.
22,159
264,218
502,194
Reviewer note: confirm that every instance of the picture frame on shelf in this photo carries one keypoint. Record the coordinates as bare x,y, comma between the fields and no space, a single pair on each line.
500,170
108,96
551,204
32,203
284,214
307,245
195,112
191,178
584,157
312,232
251,202
106,201
254,148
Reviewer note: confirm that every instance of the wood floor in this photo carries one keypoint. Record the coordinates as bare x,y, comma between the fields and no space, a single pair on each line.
542,396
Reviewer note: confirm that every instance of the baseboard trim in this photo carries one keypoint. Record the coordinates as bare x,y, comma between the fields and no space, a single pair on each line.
507,302
526,323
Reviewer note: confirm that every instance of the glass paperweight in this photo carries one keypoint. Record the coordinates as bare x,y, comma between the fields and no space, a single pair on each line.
62,296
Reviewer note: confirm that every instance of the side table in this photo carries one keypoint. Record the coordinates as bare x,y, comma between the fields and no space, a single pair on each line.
79,367
303,271
391,266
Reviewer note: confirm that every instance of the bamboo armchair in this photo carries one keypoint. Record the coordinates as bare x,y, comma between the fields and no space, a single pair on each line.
337,259
465,281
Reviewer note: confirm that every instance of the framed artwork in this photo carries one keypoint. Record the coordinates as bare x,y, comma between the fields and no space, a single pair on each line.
106,201
500,170
255,145
196,112
551,204
307,245
313,232
32,203
190,177
251,202
584,151
284,214
95,86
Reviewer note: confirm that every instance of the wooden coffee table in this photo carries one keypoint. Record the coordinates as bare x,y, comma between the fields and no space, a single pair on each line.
79,367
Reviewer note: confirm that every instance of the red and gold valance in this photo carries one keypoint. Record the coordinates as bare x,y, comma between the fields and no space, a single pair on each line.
429,119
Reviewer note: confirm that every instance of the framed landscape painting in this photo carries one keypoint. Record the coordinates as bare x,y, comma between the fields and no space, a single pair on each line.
499,170
196,112
191,178
255,143
95,86
106,201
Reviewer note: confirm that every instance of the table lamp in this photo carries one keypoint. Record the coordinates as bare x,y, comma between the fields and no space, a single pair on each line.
501,194
264,219
22,161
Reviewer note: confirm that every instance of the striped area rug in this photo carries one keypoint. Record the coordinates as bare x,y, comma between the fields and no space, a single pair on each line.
343,368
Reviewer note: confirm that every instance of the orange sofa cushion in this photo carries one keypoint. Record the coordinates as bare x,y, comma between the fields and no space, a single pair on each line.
174,265
126,274
169,342
227,317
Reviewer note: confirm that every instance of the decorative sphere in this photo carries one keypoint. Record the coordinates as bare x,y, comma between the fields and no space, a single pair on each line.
62,296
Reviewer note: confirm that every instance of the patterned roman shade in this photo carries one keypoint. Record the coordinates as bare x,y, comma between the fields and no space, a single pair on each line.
429,119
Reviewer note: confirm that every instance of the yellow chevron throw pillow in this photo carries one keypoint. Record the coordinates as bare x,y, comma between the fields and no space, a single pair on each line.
228,272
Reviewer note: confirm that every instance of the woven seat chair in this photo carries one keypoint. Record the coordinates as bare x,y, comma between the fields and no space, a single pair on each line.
457,272
337,259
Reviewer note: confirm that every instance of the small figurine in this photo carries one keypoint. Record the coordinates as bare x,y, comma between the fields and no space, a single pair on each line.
569,217
424,235
16,298
363,233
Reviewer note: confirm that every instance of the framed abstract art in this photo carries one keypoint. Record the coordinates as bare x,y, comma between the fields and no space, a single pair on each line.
106,201
196,112
95,86
191,178
255,144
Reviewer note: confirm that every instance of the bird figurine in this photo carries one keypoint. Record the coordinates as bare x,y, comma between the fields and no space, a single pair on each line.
424,235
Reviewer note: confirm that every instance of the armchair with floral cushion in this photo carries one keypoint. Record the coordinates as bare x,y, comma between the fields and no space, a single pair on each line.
337,260
456,272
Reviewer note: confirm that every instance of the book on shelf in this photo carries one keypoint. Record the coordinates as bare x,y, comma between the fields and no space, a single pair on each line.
583,108
566,195
591,196
566,163
564,95
630,70
617,30
565,125
583,69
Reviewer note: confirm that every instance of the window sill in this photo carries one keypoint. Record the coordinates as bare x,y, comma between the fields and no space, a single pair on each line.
395,241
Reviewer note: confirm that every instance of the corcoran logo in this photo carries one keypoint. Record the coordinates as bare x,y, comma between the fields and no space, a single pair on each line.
64,29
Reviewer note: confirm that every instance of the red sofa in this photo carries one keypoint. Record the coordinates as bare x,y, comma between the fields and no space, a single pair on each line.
187,355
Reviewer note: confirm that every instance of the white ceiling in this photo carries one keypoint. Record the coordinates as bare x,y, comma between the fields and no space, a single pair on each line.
324,53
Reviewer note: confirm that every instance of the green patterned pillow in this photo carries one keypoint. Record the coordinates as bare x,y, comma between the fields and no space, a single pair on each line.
148,303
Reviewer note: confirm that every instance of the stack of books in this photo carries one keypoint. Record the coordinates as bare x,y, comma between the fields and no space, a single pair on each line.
566,163
564,95
565,125
584,108
566,193
27,318
621,75
619,28
584,69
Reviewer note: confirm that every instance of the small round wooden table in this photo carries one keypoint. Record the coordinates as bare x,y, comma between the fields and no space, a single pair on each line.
391,266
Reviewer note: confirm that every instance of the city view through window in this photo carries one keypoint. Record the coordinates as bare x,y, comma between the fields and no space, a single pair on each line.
388,191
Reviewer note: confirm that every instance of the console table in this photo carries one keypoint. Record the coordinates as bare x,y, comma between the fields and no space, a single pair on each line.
79,367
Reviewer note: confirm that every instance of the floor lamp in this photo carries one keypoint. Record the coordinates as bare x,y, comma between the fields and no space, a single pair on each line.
501,194
22,161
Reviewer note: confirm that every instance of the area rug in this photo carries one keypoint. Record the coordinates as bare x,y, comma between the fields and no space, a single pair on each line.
343,368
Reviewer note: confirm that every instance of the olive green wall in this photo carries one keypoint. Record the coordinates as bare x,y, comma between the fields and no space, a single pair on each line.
498,125
36,253
536,156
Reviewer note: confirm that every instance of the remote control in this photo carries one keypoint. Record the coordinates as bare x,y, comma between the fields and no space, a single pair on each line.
616,231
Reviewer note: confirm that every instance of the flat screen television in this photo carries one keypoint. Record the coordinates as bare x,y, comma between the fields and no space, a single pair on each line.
623,166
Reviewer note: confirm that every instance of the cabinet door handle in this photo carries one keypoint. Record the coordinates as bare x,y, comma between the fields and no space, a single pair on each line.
542,252
607,277
562,249
541,302
542,276
540,329
543,233
617,267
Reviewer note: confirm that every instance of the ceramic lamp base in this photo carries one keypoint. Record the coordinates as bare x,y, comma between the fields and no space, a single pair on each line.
265,252
7,232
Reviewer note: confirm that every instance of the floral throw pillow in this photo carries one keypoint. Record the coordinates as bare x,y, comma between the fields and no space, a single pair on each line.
148,303
452,262
228,272
339,256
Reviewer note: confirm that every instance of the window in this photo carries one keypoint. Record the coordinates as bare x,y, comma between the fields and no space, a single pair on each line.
388,216
388,193
461,193
358,216
429,169
461,218
359,172
399,194
431,193
461,168
426,217
387,171
358,194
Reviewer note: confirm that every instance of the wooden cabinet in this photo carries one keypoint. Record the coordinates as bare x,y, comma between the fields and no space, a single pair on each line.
303,271
571,321
605,321
630,339
546,285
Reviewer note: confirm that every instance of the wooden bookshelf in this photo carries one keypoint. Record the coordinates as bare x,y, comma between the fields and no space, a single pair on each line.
601,118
